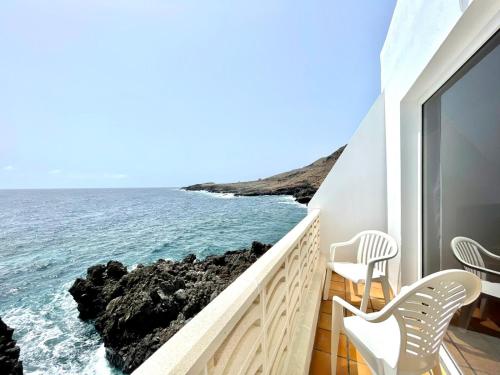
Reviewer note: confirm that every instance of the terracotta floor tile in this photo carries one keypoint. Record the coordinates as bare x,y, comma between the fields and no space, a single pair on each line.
355,302
322,340
337,286
337,277
356,368
376,293
378,304
325,321
332,293
354,355
320,363
326,307
342,350
341,367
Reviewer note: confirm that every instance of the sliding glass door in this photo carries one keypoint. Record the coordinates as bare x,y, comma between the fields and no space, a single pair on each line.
461,190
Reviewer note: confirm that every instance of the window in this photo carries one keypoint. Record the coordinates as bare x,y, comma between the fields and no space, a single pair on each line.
461,194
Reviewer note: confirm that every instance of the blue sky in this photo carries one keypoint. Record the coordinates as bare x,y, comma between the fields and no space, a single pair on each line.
101,93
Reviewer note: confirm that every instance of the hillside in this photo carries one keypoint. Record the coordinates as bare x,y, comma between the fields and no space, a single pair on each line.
302,183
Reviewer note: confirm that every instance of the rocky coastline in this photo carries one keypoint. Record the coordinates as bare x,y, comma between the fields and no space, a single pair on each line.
137,311
9,352
301,183
302,193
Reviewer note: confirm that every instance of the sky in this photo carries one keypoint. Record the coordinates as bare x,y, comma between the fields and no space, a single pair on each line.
102,93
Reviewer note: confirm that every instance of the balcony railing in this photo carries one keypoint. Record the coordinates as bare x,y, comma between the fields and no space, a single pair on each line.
263,322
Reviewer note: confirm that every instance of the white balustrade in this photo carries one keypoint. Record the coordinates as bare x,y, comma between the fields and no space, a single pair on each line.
264,322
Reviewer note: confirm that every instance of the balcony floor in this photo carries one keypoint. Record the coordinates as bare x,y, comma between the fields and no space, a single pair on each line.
349,361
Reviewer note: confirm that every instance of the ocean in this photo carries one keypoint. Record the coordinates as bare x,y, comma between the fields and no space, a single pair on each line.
50,237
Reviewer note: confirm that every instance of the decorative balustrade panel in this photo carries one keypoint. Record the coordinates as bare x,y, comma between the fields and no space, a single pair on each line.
260,341
250,327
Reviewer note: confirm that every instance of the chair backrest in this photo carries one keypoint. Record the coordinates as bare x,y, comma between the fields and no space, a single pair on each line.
466,250
424,310
374,244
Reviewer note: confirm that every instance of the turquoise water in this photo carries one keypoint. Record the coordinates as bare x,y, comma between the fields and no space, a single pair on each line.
50,237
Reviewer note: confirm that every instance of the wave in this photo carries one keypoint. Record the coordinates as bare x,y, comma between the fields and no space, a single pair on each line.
54,341
215,195
289,199
99,365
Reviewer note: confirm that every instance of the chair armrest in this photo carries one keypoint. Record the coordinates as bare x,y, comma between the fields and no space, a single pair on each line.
481,269
374,317
489,253
334,246
380,259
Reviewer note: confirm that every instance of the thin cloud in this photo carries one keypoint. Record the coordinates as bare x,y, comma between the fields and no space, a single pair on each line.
8,168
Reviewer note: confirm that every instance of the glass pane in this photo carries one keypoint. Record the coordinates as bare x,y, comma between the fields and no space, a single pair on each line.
461,196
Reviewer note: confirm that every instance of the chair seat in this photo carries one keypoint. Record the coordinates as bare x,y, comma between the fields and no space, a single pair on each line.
355,272
490,288
382,339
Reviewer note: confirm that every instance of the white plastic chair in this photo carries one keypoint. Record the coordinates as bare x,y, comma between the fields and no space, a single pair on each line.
468,253
405,336
374,250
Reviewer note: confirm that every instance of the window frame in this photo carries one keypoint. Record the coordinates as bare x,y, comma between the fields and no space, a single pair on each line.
479,22
492,43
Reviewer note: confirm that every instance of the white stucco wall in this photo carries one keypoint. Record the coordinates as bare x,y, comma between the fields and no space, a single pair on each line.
353,196
417,29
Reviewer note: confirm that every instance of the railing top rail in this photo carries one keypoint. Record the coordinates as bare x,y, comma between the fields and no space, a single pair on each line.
194,343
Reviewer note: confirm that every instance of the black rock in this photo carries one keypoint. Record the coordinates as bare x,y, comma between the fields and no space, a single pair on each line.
9,352
136,312
190,258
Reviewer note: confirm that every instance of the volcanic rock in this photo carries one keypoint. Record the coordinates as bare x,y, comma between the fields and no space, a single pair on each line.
138,311
9,352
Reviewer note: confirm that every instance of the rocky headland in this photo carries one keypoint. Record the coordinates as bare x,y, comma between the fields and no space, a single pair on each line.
302,183
137,311
9,352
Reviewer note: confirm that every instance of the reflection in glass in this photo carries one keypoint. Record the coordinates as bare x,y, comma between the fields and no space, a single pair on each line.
461,198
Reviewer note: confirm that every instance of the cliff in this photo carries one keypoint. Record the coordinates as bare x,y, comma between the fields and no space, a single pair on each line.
302,183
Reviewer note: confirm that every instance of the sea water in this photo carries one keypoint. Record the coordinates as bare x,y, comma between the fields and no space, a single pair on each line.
50,237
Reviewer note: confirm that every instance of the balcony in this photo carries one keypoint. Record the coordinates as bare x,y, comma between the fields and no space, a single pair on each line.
272,320
264,322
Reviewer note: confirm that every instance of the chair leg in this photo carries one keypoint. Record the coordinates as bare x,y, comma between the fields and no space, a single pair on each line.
466,314
334,350
355,288
337,317
326,287
482,307
366,294
385,289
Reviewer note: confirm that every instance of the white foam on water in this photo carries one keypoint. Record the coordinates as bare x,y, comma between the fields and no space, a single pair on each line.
215,195
133,267
54,341
289,199
99,364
